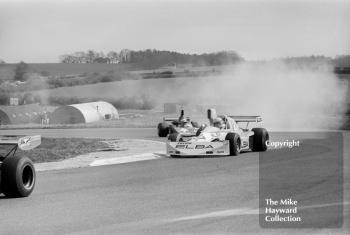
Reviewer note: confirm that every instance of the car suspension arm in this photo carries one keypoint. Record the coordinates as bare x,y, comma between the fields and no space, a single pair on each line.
12,150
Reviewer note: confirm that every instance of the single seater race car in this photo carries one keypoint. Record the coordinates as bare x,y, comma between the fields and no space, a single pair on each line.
17,174
223,136
181,124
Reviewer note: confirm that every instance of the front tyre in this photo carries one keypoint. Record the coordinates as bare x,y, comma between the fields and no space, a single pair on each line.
163,129
235,143
260,137
17,176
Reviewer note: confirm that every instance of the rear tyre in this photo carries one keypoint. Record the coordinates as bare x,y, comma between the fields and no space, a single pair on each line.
163,129
17,176
260,137
235,143
173,137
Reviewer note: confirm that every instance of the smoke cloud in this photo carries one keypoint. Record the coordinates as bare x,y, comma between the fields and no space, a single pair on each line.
285,96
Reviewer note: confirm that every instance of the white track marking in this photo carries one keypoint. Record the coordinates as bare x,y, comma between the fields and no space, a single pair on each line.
126,159
326,205
215,214
243,211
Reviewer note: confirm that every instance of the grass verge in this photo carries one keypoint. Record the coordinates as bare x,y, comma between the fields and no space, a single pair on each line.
56,149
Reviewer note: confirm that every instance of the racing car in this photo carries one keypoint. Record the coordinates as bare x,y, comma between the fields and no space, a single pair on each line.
181,124
223,136
17,174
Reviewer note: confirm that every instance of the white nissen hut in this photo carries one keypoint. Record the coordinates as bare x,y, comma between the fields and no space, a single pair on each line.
84,113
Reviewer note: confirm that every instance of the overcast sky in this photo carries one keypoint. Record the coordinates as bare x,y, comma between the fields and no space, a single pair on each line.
40,31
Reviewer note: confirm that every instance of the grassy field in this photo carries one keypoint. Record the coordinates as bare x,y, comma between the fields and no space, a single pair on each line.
55,149
160,90
58,69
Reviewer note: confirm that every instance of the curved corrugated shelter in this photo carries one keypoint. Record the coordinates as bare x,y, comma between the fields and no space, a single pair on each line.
84,113
21,114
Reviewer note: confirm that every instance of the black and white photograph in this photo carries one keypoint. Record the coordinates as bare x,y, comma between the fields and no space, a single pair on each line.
174,117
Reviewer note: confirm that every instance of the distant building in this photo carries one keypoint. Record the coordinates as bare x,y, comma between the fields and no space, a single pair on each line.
84,113
20,114
112,60
14,101
169,66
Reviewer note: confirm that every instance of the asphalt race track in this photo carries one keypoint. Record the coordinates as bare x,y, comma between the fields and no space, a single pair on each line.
169,195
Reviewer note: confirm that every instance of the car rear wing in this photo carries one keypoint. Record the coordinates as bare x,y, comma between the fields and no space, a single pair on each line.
173,119
246,118
170,119
22,142
212,115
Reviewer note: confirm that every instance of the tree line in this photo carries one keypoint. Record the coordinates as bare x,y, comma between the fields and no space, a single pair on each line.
152,58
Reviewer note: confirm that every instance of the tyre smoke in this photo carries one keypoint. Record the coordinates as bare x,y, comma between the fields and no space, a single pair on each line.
287,97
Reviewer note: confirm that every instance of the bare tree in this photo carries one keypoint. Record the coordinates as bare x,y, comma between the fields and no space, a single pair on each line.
91,55
21,71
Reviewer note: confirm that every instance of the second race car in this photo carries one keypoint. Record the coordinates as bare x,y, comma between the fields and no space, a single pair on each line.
223,136
181,124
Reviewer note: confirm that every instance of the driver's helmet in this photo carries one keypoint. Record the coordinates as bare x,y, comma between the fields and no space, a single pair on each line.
219,123
187,124
184,122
